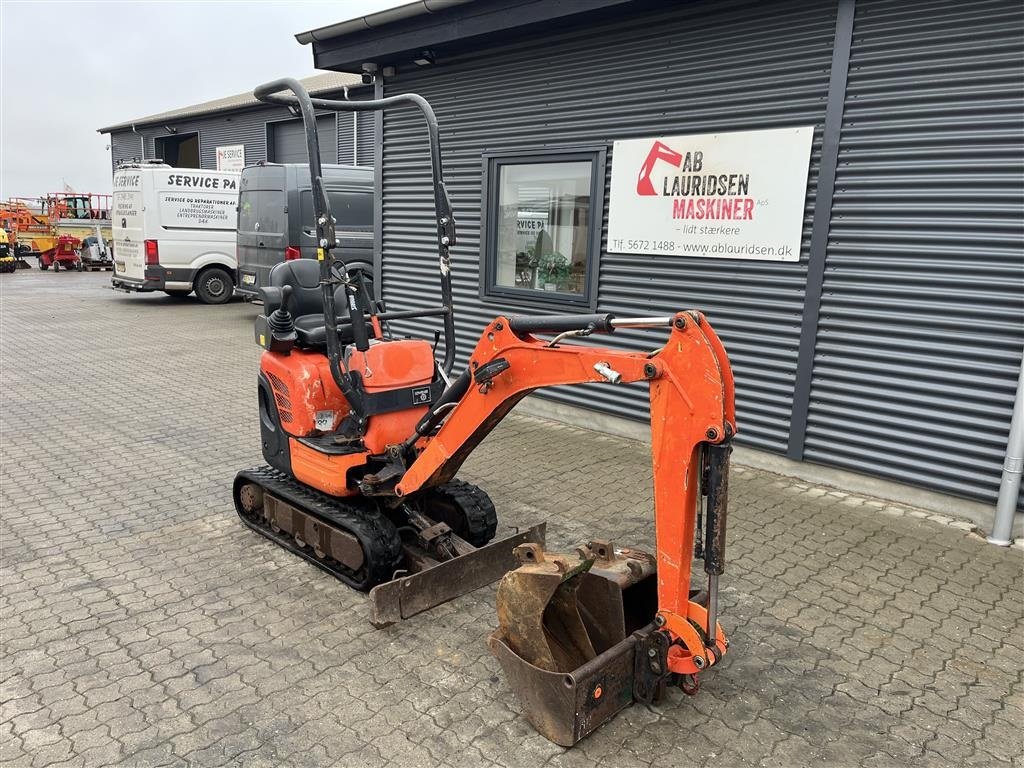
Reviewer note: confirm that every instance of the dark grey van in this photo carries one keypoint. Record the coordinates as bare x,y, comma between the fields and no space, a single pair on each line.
275,218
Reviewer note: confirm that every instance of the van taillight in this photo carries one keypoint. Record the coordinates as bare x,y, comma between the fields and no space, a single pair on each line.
291,253
152,253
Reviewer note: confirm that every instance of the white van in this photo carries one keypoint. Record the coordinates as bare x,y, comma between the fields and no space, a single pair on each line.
174,230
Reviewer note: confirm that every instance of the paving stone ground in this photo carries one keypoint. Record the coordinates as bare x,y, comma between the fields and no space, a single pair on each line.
141,625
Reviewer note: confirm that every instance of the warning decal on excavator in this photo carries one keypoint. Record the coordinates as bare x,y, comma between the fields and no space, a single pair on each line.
735,195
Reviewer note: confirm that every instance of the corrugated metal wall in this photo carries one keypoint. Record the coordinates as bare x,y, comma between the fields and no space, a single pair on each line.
920,329
247,127
696,68
347,138
125,147
366,139
288,140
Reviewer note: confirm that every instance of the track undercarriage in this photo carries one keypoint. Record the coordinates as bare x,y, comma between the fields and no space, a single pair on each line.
420,554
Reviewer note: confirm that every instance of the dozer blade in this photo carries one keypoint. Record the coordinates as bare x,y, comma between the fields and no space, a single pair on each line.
569,625
407,596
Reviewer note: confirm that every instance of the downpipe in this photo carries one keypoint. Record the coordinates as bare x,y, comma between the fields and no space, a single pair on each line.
1013,467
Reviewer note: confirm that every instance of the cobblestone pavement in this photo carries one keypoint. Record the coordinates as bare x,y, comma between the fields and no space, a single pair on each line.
143,626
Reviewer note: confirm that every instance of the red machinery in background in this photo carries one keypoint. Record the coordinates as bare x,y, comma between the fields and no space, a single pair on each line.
64,255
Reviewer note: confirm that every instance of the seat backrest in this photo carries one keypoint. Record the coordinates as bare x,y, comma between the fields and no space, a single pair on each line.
303,275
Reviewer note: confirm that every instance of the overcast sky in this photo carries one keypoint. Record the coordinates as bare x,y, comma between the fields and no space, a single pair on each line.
68,68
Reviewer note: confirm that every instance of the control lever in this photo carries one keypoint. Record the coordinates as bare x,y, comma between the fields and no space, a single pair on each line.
281,325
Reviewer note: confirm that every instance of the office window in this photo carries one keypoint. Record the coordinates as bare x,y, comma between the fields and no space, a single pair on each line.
543,226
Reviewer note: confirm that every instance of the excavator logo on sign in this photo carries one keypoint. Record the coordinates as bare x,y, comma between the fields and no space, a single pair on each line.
659,151
688,162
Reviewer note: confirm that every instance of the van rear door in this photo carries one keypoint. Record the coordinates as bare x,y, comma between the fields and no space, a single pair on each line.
262,227
127,225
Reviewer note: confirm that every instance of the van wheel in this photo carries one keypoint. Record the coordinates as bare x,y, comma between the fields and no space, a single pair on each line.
43,266
180,293
214,286
56,266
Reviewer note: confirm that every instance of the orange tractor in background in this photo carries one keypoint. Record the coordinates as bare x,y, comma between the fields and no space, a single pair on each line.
50,229
24,224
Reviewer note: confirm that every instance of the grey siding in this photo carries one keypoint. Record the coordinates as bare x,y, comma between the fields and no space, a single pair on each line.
366,139
644,76
920,330
347,138
288,140
248,127
125,147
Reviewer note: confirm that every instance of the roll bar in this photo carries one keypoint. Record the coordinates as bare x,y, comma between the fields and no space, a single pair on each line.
444,221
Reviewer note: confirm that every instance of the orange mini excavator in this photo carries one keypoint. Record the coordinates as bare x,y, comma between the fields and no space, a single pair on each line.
364,432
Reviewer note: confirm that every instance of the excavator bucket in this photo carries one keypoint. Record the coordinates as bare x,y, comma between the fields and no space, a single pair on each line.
429,582
568,628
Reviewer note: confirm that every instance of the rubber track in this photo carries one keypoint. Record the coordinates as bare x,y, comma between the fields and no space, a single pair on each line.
476,505
378,537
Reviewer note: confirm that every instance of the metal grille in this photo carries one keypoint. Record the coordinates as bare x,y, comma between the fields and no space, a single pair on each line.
920,332
366,140
346,138
590,87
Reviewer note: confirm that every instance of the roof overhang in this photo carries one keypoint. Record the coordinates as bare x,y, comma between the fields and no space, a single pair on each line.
401,34
318,85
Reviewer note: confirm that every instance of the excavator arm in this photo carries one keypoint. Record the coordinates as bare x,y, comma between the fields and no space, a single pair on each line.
692,423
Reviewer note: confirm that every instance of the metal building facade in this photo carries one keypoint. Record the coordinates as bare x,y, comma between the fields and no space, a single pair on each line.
580,89
919,335
252,127
892,347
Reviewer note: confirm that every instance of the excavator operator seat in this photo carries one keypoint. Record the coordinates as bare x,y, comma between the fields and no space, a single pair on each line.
306,304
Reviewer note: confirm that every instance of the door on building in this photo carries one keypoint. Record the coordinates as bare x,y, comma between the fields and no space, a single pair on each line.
179,151
288,141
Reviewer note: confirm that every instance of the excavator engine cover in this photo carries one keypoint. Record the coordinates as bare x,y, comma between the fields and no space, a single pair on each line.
568,628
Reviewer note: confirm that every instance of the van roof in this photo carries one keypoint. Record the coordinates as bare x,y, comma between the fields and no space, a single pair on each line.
332,172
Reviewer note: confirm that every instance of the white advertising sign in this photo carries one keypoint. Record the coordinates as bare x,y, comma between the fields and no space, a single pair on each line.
198,211
231,158
716,195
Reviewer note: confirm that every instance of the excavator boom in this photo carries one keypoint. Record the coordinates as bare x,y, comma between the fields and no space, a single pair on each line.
547,607
692,394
